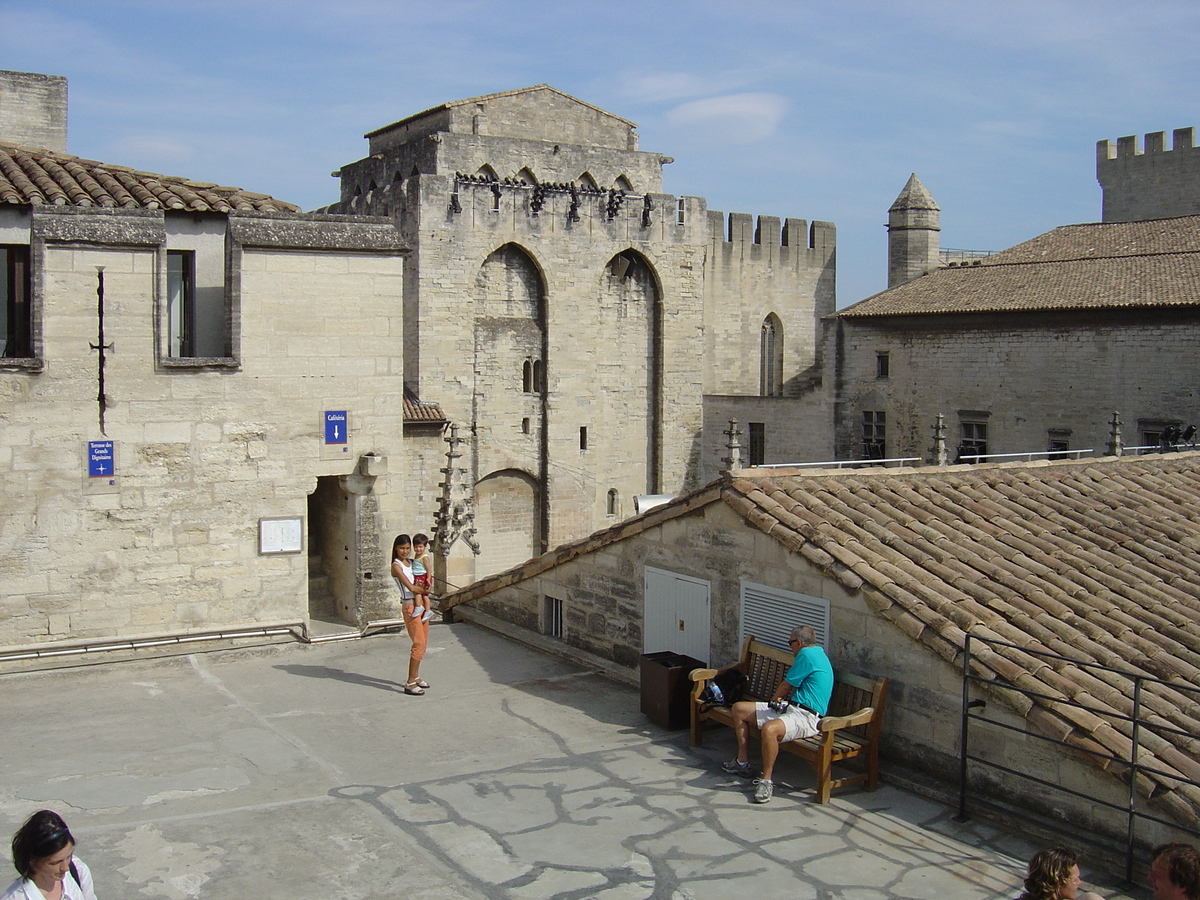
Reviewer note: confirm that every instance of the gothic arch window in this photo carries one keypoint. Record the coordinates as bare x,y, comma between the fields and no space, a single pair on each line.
613,505
486,171
398,176
587,181
770,357
622,184
525,176
538,376
527,377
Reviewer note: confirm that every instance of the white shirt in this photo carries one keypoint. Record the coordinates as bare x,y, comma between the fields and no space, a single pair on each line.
24,889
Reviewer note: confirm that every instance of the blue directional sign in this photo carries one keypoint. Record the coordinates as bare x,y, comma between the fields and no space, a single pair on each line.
101,462
335,427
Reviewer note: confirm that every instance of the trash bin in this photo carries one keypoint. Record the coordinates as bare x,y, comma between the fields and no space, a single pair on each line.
666,686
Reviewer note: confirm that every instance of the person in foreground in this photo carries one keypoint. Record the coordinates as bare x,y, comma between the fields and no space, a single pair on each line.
1054,875
1175,872
42,852
793,712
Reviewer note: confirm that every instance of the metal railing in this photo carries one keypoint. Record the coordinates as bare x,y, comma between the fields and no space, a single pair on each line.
845,463
1028,457
1136,723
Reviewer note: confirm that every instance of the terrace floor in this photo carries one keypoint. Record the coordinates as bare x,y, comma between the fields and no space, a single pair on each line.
303,771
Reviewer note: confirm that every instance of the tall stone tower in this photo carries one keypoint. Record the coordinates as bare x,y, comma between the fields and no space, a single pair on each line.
1153,182
913,230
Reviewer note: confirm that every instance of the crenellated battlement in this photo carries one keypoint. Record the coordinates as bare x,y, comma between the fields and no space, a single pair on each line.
1148,180
742,228
1154,142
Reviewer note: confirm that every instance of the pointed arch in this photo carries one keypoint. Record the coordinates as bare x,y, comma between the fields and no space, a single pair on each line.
526,176
622,184
770,357
588,182
487,172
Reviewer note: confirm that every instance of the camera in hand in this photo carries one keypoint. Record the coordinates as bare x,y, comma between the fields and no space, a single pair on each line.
780,706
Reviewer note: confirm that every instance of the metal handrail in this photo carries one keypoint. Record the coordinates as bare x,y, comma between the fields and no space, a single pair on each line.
1135,719
842,463
1029,456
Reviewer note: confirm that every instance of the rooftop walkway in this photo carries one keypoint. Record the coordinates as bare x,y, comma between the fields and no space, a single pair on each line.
304,772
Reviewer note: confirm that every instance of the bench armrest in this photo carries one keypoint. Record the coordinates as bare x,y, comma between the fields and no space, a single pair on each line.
862,717
702,674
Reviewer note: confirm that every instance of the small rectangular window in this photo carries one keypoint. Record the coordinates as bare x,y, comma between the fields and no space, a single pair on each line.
181,303
583,437
882,366
758,443
16,326
973,448
680,211
552,617
874,433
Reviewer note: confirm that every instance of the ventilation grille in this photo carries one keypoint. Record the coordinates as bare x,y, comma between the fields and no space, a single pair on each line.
770,614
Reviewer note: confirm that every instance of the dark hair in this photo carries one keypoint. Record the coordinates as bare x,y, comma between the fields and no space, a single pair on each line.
1183,867
420,538
400,539
43,834
1048,871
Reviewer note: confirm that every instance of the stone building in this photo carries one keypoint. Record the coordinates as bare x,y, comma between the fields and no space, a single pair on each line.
1035,348
200,391
1089,560
589,333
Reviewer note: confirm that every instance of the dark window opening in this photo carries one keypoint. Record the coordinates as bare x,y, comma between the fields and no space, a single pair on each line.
623,265
973,448
1059,448
679,213
539,383
874,433
16,327
527,377
757,450
552,621
582,437
525,425
882,366
770,361
614,502
181,303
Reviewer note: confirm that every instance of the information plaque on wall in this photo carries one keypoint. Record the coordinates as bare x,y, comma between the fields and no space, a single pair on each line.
335,434
280,534
100,468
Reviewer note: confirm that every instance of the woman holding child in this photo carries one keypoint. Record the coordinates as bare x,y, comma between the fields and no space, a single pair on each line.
414,601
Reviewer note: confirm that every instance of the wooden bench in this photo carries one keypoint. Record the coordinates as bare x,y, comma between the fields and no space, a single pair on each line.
849,731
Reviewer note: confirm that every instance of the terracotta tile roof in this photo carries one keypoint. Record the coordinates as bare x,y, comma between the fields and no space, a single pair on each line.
420,412
1106,265
1096,560
41,177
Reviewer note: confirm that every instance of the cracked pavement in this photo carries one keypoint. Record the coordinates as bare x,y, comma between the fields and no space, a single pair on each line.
304,771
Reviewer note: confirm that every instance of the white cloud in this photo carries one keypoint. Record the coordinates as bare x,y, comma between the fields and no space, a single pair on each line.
733,118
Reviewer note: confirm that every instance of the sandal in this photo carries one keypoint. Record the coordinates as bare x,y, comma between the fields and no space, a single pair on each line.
414,688
421,683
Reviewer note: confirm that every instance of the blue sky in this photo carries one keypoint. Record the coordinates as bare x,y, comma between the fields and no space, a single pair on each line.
804,109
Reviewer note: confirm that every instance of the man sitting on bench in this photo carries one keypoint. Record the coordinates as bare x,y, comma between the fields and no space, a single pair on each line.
793,712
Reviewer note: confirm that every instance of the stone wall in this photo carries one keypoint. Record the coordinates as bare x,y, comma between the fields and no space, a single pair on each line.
1153,181
1064,374
33,110
203,452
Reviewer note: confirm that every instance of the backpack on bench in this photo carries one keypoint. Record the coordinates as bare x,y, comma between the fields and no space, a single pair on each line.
724,690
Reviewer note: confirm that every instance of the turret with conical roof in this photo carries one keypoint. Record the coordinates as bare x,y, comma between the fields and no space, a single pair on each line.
914,223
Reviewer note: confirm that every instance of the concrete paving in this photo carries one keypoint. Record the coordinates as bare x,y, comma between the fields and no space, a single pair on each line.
303,771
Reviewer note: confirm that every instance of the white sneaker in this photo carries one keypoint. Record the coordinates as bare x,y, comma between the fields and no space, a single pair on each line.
417,611
428,615
763,790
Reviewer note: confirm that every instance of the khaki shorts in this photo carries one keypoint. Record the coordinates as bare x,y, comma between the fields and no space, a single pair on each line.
797,722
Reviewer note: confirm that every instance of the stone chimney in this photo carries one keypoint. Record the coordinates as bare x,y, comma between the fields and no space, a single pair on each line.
33,110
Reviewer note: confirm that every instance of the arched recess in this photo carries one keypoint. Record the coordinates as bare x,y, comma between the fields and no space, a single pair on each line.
622,184
486,171
630,315
507,520
587,181
770,357
525,176
509,376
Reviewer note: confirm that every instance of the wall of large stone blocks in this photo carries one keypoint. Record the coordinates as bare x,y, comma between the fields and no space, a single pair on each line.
602,592
1062,373
796,429
202,454
755,269
1152,181
33,110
